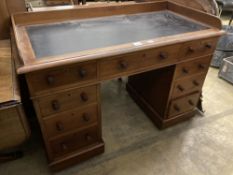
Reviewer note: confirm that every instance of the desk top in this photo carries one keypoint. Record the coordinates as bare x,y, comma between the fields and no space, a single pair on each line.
53,38
75,36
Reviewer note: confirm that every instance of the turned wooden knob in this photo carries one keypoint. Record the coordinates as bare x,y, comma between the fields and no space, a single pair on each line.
59,126
88,137
208,45
123,64
201,66
176,107
191,102
50,79
191,49
64,146
184,70
86,117
180,88
84,96
55,105
82,72
163,55
195,83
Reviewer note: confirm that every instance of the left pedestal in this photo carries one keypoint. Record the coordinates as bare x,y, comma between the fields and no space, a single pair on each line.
67,104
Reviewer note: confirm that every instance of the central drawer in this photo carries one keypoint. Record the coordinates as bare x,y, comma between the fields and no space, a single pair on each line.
71,120
70,99
130,63
160,56
118,66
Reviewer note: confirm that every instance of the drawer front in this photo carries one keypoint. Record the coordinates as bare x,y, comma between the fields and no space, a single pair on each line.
71,99
73,142
71,120
200,65
183,104
118,66
198,48
53,78
160,56
188,85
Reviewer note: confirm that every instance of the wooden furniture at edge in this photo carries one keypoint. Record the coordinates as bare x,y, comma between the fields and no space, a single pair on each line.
165,78
8,7
13,123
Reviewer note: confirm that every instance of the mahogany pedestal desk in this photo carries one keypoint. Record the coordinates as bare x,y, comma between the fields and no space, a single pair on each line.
163,47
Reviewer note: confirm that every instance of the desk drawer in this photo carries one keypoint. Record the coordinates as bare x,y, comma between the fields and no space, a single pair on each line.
200,65
73,142
118,66
183,104
188,85
160,56
71,120
56,77
71,99
198,48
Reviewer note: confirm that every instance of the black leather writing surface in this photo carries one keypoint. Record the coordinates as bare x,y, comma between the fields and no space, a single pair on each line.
73,36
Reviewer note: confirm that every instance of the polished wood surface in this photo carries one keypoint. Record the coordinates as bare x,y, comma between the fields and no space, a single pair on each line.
166,75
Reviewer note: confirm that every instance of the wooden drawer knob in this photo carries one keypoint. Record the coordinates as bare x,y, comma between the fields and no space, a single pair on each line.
184,70
86,117
84,96
82,72
195,83
123,65
201,66
88,137
191,49
208,45
180,88
64,146
176,107
59,126
191,102
163,55
55,105
50,80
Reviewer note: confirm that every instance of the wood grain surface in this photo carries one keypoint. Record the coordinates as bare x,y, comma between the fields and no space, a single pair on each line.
6,82
208,6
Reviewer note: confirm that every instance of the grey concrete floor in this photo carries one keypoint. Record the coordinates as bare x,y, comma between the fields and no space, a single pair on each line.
200,146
